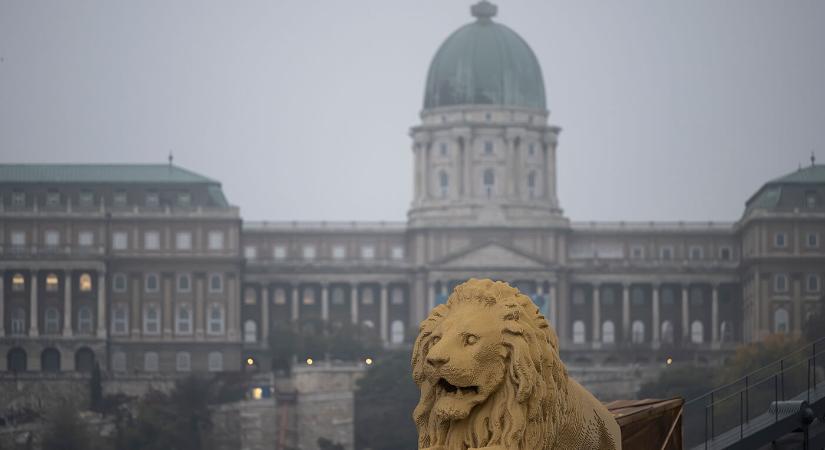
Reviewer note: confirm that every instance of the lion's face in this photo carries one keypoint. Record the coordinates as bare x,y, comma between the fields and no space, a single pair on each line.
466,360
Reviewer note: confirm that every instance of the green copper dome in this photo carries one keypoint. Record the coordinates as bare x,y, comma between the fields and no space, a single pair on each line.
485,63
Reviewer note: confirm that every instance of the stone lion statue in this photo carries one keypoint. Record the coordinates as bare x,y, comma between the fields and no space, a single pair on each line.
487,364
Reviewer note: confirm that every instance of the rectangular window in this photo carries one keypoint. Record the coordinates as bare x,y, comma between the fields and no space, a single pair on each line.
184,199
812,240
666,253
85,238
18,199
86,198
183,322
52,199
250,252
779,240
367,252
119,282
52,238
18,238
725,254
812,283
183,362
120,199
339,252
184,283
151,240
488,147
120,240
152,283
120,319
398,252
215,283
152,199
183,240
309,252
279,252
696,253
637,252
780,283
151,319
216,240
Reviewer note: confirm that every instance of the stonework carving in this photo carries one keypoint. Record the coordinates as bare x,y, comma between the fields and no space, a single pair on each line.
487,364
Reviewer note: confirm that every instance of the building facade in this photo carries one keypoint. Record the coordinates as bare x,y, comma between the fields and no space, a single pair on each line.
148,268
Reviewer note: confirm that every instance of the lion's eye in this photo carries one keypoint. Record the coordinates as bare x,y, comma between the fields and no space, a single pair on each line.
435,340
470,339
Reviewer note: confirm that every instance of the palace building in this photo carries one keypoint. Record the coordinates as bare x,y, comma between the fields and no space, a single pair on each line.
149,269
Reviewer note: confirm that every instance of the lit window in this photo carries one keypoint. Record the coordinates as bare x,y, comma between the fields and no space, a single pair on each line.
397,296
18,238
216,240
779,240
52,238
184,282
150,362
119,282
152,283
812,240
85,282
608,332
151,319
250,331
781,321
367,252
780,282
308,252
85,238
216,321
86,198
666,253
812,283
183,240
85,320
18,321
696,253
152,199
184,199
120,199
397,252
51,283
444,183
119,362
367,297
279,252
725,254
183,362
637,332
279,298
151,240
120,319
339,252
309,296
183,321
250,252
18,282
18,199
697,332
578,332
52,198
52,316
215,361
120,240
488,147
215,283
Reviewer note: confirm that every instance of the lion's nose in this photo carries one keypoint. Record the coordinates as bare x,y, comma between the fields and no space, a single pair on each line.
437,360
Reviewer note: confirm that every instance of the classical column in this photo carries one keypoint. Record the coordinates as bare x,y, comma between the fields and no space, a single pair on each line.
324,302
656,325
685,312
553,305
295,305
2,300
264,315
626,312
101,304
33,315
430,298
597,315
418,172
67,304
384,312
353,303
714,314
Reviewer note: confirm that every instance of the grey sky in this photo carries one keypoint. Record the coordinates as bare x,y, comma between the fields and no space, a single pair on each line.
670,109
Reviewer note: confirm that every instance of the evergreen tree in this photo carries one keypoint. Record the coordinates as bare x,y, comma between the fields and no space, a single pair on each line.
96,390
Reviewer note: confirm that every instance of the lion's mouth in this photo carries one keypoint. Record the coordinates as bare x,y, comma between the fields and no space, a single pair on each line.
460,391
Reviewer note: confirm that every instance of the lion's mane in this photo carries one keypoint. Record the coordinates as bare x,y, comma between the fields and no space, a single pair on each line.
526,411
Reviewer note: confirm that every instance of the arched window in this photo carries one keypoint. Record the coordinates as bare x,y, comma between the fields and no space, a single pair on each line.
697,332
52,316
608,332
85,319
85,282
781,321
18,282
444,183
250,296
120,319
397,332
84,360
183,322
637,332
119,362
489,182
151,318
726,331
309,296
150,362
18,321
531,183
578,332
216,319
50,360
183,362
51,283
215,362
215,283
16,360
667,332
250,331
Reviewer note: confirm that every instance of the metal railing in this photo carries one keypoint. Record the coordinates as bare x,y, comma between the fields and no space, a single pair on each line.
730,413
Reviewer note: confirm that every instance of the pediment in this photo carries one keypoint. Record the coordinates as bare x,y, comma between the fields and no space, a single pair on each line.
490,256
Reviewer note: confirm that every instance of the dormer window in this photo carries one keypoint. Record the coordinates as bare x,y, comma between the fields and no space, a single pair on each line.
810,199
184,199
152,199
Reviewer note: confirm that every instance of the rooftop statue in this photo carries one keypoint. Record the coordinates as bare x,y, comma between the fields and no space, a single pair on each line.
487,364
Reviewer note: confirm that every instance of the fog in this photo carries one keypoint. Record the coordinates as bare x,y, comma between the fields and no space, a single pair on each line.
669,110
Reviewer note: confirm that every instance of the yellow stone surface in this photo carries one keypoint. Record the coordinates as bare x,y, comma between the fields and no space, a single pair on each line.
487,364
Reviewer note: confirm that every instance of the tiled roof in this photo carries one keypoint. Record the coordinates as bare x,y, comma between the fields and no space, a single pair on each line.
99,173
